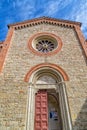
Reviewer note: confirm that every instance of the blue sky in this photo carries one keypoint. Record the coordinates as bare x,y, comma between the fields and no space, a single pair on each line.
12,11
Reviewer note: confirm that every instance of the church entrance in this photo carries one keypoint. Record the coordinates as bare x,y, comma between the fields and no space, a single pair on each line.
47,111
47,101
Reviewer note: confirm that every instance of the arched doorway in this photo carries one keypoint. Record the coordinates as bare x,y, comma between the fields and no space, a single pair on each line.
56,116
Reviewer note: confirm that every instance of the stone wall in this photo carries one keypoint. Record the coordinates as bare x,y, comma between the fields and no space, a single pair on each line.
14,90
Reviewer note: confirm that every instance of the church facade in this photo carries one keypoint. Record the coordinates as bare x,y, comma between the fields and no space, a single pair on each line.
43,76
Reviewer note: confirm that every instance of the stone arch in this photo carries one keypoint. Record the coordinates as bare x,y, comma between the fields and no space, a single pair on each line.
59,77
50,66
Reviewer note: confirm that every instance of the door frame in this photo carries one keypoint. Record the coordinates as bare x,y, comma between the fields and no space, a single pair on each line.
60,88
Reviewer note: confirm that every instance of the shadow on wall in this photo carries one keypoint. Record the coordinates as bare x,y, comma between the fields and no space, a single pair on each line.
81,121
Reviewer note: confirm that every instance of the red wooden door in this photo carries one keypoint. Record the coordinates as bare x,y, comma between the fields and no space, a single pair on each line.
41,110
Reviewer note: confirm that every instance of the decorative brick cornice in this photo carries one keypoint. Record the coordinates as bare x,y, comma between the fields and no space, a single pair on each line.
42,65
5,47
1,46
85,47
81,39
1,42
44,20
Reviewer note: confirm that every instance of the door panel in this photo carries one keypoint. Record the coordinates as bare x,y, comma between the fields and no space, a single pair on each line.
47,112
41,110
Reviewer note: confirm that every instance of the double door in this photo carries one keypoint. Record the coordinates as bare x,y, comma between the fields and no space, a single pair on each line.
47,115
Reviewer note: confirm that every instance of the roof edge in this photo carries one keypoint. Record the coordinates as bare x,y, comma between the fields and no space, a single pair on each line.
1,42
42,19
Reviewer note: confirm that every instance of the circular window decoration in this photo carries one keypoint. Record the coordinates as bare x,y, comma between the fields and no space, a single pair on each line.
44,43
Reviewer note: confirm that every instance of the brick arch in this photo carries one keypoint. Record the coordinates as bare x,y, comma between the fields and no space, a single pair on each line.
53,66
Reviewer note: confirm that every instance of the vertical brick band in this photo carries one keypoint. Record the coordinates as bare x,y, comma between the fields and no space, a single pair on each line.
6,45
81,39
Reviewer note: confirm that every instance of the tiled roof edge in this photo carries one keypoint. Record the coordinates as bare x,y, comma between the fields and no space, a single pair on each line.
47,20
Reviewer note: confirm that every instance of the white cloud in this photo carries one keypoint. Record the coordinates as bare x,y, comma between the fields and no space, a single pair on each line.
52,7
24,9
79,14
82,17
17,10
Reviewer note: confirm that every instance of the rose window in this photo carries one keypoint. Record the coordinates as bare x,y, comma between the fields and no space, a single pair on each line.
44,44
